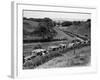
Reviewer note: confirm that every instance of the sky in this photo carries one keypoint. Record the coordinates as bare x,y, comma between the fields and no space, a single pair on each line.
56,15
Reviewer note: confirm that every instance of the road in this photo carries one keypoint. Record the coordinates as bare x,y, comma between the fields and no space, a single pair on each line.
75,36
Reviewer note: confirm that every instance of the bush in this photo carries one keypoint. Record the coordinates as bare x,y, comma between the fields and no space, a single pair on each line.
76,22
38,47
66,23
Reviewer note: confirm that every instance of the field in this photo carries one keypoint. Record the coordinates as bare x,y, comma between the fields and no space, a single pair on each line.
70,59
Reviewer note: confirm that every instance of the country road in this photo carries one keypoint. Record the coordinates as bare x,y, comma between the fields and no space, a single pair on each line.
75,36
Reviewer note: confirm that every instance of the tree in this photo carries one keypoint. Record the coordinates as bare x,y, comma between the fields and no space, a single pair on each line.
45,30
76,22
49,22
66,23
88,20
38,46
89,23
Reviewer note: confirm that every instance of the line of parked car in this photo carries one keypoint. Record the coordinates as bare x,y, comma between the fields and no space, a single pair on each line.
58,48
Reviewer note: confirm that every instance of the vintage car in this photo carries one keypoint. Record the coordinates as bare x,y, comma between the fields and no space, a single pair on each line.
62,46
70,45
53,48
39,52
36,52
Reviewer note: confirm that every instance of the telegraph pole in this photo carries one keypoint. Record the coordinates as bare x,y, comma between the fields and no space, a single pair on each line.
74,45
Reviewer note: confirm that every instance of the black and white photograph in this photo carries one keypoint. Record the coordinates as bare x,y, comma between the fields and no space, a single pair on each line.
56,39
53,40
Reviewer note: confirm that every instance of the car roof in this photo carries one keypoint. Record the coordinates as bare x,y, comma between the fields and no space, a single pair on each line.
62,44
28,57
38,50
52,46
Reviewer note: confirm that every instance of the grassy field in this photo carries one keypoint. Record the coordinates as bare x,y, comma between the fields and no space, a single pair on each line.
70,59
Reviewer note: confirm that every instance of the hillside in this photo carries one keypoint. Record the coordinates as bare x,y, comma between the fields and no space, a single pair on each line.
30,26
61,34
66,59
81,29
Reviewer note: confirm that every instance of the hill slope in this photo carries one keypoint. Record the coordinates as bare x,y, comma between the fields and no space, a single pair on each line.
29,27
61,34
82,29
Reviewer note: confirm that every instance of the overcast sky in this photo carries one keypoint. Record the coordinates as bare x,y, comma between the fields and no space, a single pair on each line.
56,15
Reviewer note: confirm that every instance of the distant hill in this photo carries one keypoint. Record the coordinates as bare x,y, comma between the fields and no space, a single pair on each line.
84,29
